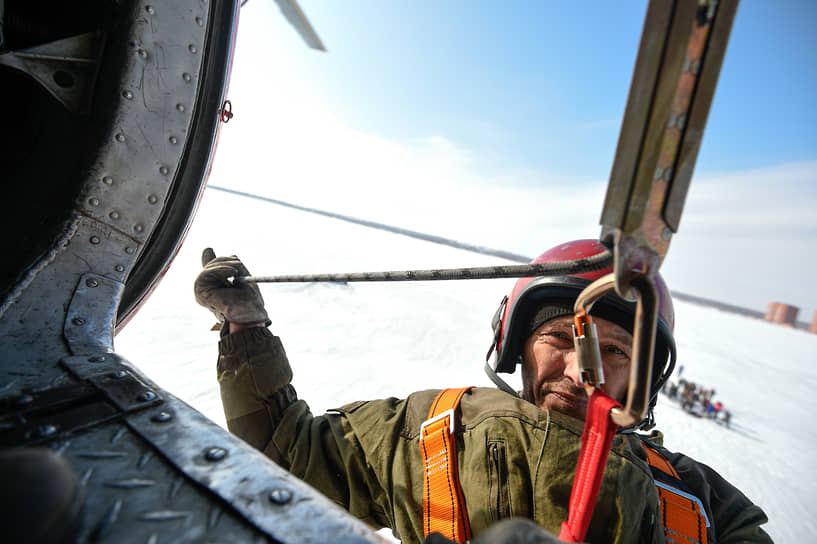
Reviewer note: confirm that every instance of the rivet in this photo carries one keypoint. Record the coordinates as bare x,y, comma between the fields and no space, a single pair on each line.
686,65
119,268
658,173
96,358
164,170
153,199
162,417
142,53
192,48
173,140
682,121
668,174
215,454
129,250
696,67
666,234
138,228
95,239
119,374
187,77
199,21
93,201
46,430
180,107
280,496
78,321
120,137
127,94
147,396
107,180
114,215
150,10
25,399
92,282
673,118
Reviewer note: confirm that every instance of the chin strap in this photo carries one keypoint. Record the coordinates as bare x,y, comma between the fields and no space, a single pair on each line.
597,439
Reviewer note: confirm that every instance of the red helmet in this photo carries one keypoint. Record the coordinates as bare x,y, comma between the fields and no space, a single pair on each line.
521,313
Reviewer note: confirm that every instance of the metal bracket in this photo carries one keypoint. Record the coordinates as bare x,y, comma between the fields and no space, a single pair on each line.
91,317
679,59
66,68
108,389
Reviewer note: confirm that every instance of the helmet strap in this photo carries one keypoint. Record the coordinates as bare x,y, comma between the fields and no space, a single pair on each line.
500,383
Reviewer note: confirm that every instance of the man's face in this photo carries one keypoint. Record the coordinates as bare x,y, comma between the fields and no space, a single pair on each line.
550,370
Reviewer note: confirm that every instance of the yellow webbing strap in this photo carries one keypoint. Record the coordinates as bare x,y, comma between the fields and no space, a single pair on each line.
443,502
684,516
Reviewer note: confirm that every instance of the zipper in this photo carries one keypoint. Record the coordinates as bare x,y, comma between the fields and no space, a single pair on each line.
499,504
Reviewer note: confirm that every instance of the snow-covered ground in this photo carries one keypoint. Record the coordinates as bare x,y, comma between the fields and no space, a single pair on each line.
364,341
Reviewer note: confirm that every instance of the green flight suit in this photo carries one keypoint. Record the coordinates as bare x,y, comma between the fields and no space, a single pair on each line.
514,459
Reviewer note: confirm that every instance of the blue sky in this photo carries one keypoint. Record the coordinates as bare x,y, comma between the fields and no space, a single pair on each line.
512,112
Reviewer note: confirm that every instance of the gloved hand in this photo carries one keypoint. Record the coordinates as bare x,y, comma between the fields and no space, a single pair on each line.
231,302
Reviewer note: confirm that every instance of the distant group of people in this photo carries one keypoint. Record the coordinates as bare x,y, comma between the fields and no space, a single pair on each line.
697,400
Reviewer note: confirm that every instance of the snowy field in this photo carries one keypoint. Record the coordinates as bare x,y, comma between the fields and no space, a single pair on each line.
365,341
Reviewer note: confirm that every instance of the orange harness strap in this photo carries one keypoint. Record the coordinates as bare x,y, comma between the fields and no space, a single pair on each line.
684,516
443,502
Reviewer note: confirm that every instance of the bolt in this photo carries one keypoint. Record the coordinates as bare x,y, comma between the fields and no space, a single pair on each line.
78,321
666,234
673,118
127,94
119,268
92,282
682,121
280,496
120,138
138,228
93,201
173,140
142,53
192,48
129,250
24,399
215,454
199,21
119,374
147,396
95,239
96,358
180,107
162,417
696,67
114,215
187,77
658,173
150,10
153,199
668,174
164,170
107,180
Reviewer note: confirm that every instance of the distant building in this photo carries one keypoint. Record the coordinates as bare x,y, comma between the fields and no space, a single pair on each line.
782,314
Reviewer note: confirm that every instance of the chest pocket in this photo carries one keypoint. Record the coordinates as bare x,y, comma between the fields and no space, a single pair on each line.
500,502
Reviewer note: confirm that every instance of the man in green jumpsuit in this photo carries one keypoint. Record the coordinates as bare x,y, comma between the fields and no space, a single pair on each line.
516,453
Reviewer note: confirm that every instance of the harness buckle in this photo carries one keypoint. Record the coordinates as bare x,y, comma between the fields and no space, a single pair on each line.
435,419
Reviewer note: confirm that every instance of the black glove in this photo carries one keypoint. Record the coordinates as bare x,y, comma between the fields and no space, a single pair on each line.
230,301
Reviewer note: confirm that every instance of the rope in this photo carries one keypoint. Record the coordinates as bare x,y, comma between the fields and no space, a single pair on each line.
560,268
